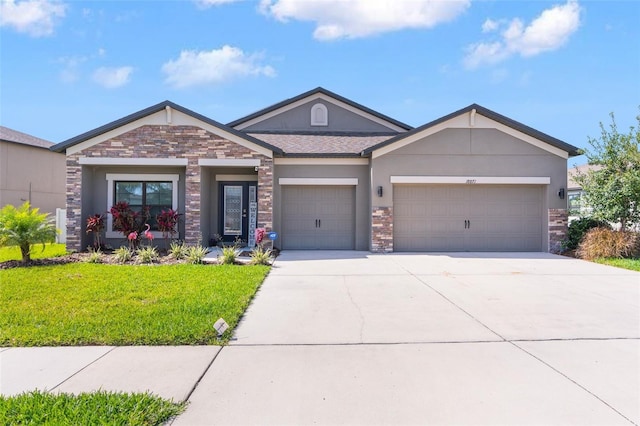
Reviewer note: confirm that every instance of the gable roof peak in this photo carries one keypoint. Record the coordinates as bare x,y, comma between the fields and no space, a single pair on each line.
62,146
322,91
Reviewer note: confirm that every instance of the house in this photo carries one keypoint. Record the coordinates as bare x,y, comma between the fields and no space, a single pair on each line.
325,172
29,171
574,191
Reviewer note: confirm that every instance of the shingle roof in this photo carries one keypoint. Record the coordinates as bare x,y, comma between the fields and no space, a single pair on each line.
311,144
570,149
10,135
323,91
151,110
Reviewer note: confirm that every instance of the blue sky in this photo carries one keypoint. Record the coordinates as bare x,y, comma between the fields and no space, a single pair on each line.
561,67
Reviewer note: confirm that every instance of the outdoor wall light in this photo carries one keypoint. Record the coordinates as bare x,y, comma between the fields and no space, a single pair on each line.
379,191
561,193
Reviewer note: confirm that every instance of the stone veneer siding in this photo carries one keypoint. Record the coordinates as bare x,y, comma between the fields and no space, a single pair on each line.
558,228
382,229
161,141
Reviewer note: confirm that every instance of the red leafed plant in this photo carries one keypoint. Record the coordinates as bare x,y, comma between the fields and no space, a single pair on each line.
95,225
168,222
128,221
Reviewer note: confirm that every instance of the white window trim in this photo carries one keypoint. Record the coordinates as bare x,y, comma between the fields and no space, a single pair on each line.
111,161
314,121
112,177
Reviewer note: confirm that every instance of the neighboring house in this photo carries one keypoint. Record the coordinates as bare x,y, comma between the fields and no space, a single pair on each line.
29,171
328,173
574,191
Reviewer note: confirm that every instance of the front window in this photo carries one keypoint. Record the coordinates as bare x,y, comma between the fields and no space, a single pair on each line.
150,197
143,192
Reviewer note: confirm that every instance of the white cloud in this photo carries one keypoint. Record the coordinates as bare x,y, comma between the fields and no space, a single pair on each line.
490,25
34,17
216,66
549,31
361,18
112,78
204,4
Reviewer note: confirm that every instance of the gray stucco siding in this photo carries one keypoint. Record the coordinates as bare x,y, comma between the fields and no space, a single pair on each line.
362,190
466,152
298,119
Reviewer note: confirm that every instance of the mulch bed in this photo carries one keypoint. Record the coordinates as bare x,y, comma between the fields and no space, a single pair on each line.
106,258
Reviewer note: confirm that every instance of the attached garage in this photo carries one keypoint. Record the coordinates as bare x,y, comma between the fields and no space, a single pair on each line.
463,217
318,217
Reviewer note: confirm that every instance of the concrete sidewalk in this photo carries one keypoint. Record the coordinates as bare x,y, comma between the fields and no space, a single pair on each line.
171,372
357,338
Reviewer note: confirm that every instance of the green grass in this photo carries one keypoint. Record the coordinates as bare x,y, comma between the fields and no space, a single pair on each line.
104,408
99,304
50,250
632,264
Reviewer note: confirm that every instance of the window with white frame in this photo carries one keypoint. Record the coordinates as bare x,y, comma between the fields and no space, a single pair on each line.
143,192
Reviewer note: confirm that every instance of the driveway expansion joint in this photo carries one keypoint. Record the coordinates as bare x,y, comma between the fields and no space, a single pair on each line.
572,381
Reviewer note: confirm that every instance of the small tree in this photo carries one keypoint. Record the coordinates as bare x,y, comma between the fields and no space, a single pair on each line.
25,227
95,225
613,190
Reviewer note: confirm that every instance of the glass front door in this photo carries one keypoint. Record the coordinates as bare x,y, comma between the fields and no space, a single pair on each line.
238,208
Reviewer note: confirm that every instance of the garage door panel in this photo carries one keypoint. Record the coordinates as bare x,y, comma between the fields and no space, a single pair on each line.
434,218
318,217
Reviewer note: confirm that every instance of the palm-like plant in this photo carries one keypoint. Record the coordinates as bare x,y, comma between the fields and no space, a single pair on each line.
25,227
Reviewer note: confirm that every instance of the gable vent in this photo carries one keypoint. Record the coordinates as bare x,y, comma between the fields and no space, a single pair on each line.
319,115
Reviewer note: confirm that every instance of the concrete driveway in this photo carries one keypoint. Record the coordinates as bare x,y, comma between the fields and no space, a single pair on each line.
358,338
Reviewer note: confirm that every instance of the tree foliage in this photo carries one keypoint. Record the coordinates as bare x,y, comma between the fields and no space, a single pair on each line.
612,190
24,227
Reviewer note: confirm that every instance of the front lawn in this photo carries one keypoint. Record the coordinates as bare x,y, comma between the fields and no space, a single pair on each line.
50,250
97,304
632,264
98,408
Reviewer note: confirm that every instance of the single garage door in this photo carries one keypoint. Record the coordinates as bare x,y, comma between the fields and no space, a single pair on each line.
467,217
318,217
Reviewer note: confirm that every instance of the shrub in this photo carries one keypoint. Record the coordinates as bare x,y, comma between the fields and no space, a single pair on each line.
228,255
167,222
196,254
607,243
123,254
178,251
578,228
260,256
95,256
25,227
147,254
95,225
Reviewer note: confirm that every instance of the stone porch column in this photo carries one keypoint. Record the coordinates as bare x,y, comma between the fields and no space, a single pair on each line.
265,193
74,205
193,234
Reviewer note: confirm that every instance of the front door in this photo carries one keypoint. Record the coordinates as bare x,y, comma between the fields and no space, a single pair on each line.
238,211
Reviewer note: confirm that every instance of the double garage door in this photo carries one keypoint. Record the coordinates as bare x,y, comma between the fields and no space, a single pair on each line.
467,217
318,217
